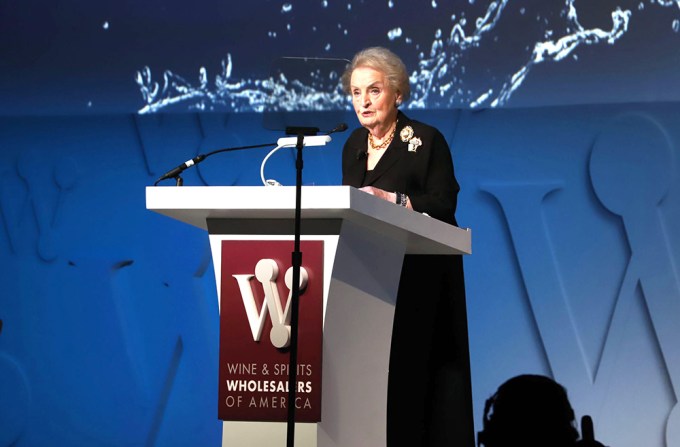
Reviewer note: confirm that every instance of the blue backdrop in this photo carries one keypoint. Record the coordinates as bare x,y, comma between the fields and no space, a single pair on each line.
563,123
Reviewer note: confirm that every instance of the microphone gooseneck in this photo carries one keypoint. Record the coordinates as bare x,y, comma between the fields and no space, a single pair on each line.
174,173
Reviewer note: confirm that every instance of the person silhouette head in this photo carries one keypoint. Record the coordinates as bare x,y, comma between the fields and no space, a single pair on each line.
528,411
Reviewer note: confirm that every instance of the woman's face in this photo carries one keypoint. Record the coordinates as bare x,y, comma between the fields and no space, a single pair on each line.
373,99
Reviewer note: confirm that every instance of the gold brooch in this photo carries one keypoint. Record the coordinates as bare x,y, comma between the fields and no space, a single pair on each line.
406,133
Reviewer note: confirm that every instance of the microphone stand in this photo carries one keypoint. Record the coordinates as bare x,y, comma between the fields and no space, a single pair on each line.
305,136
313,140
295,292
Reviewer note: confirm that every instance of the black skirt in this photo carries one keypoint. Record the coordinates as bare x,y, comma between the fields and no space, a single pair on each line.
429,390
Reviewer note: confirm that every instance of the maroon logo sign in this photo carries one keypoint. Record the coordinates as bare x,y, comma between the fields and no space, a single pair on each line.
255,331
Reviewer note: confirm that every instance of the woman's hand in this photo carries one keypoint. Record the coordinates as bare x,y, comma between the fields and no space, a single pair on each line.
382,194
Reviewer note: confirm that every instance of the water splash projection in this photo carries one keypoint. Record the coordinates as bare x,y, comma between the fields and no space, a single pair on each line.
444,77
556,50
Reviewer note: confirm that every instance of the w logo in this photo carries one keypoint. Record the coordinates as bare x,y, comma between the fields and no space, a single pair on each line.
266,273
253,277
631,174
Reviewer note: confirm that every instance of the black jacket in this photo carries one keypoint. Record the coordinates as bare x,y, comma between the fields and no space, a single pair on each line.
424,174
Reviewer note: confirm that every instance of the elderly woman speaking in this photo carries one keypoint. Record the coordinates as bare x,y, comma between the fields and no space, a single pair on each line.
409,163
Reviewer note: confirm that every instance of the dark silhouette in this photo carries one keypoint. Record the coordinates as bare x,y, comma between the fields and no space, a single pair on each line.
532,411
588,432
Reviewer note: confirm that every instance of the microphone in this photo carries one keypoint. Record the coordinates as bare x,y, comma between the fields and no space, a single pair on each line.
361,153
179,169
587,430
339,128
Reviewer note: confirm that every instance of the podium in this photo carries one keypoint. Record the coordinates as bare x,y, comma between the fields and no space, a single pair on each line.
365,240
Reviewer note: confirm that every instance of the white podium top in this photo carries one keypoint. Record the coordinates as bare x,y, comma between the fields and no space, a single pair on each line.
196,204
